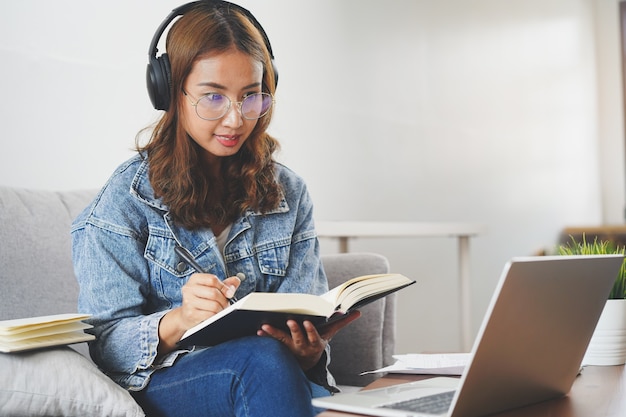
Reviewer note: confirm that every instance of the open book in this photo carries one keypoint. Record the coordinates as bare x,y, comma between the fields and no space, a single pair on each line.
246,316
39,332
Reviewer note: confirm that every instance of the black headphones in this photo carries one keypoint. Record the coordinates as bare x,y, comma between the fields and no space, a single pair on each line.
158,74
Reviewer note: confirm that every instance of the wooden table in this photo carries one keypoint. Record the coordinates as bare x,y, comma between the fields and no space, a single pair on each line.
612,233
600,391
344,231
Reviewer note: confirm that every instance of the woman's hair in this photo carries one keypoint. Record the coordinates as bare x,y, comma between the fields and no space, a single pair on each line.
178,173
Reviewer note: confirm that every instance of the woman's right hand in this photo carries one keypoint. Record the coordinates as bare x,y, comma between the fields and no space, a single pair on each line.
204,295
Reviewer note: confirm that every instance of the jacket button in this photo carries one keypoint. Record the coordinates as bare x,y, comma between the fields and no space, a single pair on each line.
181,267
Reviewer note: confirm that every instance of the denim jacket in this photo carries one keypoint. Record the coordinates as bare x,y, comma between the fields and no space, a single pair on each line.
129,275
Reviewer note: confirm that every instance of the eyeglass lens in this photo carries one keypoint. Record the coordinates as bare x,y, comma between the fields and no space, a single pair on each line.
215,106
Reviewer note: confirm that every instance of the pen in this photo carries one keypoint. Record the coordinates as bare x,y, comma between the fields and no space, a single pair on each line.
184,253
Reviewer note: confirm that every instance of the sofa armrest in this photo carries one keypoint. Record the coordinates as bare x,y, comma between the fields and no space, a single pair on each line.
368,343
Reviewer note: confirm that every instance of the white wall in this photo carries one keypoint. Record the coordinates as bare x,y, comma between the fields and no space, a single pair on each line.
504,113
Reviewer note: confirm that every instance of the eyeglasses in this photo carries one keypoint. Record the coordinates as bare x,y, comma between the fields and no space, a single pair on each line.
214,106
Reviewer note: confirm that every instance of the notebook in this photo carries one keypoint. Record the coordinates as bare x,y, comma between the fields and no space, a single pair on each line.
39,332
529,347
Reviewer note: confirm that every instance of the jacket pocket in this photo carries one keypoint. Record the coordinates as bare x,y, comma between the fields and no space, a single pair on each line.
273,257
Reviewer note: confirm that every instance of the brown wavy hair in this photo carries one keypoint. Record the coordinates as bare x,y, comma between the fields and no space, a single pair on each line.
178,173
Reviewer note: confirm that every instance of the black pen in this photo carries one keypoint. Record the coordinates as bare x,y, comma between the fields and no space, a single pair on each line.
184,253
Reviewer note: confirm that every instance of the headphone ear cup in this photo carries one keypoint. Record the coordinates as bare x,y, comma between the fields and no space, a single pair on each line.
158,80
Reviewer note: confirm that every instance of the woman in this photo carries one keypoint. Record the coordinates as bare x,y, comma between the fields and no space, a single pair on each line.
205,181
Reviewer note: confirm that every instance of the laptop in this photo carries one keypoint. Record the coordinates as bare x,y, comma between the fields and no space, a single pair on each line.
529,347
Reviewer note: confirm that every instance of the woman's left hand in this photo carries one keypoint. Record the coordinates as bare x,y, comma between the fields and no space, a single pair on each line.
304,341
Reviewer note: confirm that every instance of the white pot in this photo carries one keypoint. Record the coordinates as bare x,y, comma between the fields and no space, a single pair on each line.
608,343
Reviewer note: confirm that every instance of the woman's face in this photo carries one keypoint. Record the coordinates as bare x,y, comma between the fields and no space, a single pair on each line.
232,74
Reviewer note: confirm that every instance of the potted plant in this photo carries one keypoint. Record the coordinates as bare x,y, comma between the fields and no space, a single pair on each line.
608,344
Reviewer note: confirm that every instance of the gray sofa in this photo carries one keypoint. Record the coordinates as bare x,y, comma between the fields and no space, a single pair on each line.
36,278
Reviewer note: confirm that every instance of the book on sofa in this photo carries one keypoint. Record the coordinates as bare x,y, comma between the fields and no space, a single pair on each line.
245,317
44,331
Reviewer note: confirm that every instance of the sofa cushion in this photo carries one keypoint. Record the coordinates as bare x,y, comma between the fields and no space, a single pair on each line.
36,278
59,382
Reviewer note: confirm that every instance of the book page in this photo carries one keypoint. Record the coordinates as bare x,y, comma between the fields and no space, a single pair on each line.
431,364
333,296
356,293
45,331
46,341
8,327
287,302
352,291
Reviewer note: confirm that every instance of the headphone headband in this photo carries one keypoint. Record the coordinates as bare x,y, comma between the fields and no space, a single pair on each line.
158,74
180,10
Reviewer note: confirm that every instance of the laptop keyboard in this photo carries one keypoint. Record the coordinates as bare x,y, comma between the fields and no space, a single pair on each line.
431,404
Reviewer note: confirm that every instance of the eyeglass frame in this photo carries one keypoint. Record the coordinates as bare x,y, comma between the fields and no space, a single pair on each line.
230,103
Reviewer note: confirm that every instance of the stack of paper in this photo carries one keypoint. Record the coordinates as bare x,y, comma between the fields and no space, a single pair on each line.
38,332
423,363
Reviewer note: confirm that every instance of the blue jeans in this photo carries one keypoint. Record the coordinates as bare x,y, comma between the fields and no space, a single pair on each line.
252,376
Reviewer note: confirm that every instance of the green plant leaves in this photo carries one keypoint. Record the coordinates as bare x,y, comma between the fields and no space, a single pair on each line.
583,247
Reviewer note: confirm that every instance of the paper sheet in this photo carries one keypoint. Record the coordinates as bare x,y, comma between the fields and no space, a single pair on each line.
427,363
